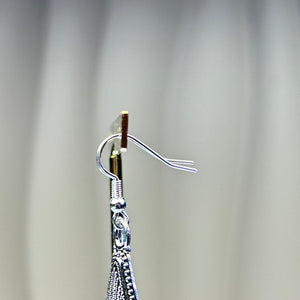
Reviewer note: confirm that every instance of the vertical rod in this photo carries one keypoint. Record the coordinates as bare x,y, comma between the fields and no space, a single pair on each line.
115,165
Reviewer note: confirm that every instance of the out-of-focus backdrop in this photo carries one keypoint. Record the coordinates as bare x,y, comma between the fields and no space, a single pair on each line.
213,81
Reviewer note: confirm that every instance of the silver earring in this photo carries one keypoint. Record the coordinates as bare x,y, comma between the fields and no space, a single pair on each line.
122,285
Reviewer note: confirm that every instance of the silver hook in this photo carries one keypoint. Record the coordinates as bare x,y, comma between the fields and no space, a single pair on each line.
173,163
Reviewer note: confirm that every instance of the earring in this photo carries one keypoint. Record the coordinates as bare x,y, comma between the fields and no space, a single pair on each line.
122,284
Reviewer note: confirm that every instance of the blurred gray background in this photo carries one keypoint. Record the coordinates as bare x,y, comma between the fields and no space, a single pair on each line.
213,81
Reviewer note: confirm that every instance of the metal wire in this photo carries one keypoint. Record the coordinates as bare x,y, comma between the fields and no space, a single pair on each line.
173,163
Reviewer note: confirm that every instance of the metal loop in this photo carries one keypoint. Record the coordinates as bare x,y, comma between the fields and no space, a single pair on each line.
121,231
123,218
173,163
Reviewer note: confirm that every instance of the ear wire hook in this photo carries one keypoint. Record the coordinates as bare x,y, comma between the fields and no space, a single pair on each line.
173,163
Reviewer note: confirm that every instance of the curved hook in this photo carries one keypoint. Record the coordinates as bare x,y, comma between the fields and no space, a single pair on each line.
173,163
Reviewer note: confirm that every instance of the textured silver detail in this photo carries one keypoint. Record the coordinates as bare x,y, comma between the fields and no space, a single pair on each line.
116,189
121,284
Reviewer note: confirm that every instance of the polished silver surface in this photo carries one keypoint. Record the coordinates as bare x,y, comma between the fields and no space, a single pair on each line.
173,163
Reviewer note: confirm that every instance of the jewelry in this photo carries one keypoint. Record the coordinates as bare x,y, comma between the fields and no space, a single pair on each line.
122,284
